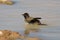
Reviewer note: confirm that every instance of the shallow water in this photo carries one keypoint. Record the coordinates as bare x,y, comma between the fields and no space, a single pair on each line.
11,17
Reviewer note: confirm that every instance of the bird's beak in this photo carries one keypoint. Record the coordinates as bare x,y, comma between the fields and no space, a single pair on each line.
40,18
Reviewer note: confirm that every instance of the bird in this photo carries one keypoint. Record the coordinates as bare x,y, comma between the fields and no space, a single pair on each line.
31,23
31,20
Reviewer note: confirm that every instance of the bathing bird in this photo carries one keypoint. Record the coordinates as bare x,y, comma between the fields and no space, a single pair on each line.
31,20
31,23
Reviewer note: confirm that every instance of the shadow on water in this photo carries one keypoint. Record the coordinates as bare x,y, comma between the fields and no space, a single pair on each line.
32,29
27,32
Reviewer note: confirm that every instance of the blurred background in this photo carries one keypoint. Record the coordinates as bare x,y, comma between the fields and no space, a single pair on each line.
49,10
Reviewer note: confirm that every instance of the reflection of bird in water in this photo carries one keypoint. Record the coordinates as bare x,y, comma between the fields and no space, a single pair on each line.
31,23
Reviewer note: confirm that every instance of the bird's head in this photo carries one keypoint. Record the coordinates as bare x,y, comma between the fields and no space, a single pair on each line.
26,15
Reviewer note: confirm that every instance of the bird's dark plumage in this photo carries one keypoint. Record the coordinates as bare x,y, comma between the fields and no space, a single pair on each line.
35,21
37,18
31,20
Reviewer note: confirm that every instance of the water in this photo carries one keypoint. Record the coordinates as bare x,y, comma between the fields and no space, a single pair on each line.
11,17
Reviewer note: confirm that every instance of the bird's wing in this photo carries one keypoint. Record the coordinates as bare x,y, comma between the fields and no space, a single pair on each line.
38,18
